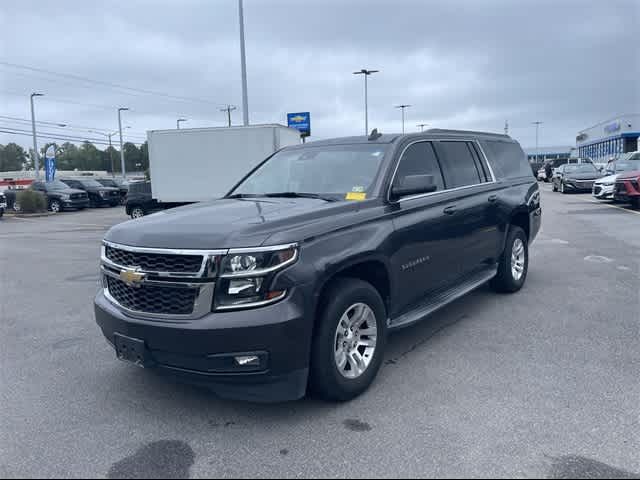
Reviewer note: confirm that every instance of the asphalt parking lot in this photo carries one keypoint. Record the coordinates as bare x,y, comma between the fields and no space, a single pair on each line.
543,383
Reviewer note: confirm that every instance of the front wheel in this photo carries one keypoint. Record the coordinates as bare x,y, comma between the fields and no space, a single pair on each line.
553,187
55,206
514,264
635,203
349,343
137,212
562,190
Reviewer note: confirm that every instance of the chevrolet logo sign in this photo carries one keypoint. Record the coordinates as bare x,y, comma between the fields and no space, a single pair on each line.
132,276
298,118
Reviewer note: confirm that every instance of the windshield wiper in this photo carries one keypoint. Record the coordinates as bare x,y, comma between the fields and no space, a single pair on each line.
301,195
242,195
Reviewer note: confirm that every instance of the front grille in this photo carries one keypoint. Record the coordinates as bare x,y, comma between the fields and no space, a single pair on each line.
620,188
597,190
155,262
151,299
76,196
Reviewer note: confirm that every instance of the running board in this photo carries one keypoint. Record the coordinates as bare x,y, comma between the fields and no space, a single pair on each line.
440,299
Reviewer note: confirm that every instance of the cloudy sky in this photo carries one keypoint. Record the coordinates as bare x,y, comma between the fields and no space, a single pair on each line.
460,64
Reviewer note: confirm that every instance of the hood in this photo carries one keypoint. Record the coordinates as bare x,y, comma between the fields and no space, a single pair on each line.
629,175
233,223
67,191
582,176
607,179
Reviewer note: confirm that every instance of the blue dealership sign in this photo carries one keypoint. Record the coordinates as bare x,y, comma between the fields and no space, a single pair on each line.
301,122
50,164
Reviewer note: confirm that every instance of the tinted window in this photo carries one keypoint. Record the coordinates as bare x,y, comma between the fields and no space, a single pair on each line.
420,159
507,159
140,187
73,183
458,165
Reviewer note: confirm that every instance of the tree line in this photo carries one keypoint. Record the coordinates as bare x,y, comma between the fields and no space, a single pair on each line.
70,156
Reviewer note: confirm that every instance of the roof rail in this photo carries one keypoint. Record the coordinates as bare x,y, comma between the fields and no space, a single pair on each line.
466,132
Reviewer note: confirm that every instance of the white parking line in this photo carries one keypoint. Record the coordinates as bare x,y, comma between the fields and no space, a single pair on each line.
637,212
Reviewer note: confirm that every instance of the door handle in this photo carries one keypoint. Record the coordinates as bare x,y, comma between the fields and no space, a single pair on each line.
493,198
450,210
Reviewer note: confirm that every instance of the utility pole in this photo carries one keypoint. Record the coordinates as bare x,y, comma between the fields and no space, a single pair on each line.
366,73
178,122
402,107
243,62
506,127
537,124
120,110
228,109
36,162
109,135
422,125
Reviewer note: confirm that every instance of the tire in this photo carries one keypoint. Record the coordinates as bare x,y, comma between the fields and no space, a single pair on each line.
635,203
137,212
1,212
55,206
16,207
562,190
553,187
327,379
507,279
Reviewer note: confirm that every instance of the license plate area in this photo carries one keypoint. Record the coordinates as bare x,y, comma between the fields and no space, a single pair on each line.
131,350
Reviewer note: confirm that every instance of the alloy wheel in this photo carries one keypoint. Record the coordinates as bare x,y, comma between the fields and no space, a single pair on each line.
355,340
517,259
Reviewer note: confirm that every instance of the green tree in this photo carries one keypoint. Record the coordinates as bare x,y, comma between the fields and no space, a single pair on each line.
144,155
90,157
132,157
12,157
67,158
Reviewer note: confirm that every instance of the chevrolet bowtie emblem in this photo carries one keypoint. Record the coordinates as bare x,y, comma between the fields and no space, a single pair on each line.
132,276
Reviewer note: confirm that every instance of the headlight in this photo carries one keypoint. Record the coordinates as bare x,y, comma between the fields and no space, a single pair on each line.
65,196
246,276
102,193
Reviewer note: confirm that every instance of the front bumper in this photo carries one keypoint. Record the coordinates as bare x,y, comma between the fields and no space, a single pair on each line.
202,351
75,203
603,191
578,186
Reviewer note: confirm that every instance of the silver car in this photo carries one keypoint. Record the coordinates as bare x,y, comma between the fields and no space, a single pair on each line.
603,188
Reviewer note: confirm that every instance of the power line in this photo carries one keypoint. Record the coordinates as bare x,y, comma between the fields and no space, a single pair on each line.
110,84
56,136
64,125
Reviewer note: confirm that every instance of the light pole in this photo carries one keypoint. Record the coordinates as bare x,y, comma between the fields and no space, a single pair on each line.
537,124
366,73
109,135
36,162
178,122
228,109
402,107
422,125
120,110
243,62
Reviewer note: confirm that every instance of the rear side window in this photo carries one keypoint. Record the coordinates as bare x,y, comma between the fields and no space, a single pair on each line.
458,165
420,159
507,159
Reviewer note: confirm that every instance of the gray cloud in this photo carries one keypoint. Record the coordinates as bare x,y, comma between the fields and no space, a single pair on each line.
461,64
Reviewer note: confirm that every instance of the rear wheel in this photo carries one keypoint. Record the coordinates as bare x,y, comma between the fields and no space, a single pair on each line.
349,343
514,264
137,212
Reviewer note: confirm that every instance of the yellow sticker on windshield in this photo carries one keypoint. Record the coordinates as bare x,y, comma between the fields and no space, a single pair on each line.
356,196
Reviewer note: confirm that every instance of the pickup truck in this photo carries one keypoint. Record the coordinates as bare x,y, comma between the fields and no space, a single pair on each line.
293,280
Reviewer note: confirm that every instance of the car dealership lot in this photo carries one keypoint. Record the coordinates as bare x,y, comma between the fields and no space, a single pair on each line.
540,383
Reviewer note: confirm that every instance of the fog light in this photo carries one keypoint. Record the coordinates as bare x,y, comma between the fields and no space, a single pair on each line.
247,361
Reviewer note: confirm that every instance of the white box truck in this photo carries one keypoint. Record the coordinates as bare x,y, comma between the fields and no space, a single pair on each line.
196,164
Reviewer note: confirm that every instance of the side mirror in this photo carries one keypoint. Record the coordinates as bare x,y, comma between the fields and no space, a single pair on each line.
414,185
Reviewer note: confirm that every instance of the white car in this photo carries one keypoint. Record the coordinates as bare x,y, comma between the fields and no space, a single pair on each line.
604,187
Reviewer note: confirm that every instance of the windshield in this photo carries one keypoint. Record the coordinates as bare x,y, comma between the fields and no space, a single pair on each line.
90,183
56,185
107,182
580,168
333,170
628,166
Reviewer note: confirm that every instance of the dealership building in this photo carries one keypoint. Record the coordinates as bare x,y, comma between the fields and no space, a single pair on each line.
609,138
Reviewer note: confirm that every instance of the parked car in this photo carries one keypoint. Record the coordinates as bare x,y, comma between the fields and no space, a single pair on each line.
575,178
116,182
140,201
60,196
627,188
604,187
3,204
542,174
98,194
295,277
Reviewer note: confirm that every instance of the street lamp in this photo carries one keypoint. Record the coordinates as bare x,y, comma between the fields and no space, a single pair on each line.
178,122
36,162
402,107
422,125
120,110
537,124
366,73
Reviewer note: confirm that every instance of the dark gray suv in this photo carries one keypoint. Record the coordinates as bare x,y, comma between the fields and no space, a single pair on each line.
294,279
